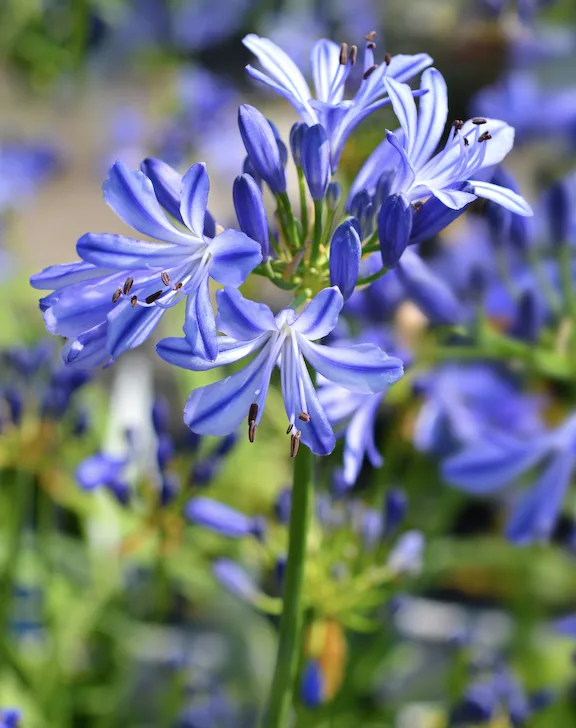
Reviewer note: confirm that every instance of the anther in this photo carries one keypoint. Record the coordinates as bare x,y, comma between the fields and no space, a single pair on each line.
387,59
153,297
343,54
418,205
252,412
458,124
252,431
371,35
116,295
165,278
466,142
295,443
369,71
353,54
304,416
134,300
484,137
371,46
478,120
289,428
178,286
128,283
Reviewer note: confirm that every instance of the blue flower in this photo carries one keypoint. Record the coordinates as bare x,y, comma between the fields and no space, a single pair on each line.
106,471
471,146
113,300
345,254
10,718
285,339
331,65
222,519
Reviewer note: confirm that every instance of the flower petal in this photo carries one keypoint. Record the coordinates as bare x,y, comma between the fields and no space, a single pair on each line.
167,183
359,368
404,67
432,115
219,408
321,315
325,62
499,145
56,276
405,109
241,318
383,158
131,195
452,198
120,253
305,110
234,257
88,349
405,174
218,517
199,324
317,434
177,351
360,439
503,196
194,198
128,326
433,217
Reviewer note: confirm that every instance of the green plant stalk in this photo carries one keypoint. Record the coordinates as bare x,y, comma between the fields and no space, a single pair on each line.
565,265
303,205
290,639
291,231
317,234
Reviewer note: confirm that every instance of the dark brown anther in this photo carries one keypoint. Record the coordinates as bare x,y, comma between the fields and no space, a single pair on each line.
478,120
387,59
252,412
371,35
153,297
466,142
116,295
134,300
178,286
252,431
353,54
295,443
289,428
369,71
128,283
458,124
343,54
417,206
484,137
304,416
165,278
371,46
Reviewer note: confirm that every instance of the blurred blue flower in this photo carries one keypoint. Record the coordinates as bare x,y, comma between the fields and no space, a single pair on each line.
10,718
250,327
24,168
200,24
222,519
331,65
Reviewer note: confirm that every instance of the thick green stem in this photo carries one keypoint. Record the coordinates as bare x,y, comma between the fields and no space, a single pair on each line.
303,204
317,234
290,639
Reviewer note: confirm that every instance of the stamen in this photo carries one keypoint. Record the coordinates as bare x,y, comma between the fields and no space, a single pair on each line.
371,46
458,124
178,286
484,137
466,142
418,205
289,428
252,415
370,71
371,35
343,54
387,59
165,278
128,285
134,300
478,120
353,54
252,431
304,416
295,443
153,297
116,295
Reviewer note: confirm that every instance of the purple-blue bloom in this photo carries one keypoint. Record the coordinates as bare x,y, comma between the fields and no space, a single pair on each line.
284,340
221,518
345,254
331,65
112,300
10,718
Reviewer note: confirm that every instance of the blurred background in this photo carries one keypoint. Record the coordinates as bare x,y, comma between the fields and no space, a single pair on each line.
116,612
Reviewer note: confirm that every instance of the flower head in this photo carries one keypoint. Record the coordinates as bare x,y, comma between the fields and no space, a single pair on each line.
285,340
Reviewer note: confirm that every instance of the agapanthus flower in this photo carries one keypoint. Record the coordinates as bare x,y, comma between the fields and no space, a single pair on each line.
286,339
331,65
449,175
112,300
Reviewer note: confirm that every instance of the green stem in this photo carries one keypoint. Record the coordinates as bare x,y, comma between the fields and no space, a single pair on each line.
290,639
317,234
565,265
303,204
291,231
373,277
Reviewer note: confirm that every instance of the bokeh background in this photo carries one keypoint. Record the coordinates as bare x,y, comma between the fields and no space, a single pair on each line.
110,615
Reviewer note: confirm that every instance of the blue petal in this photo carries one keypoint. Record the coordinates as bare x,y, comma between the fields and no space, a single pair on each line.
129,327
316,160
453,198
535,516
219,408
404,67
241,318
432,115
167,183
98,470
503,196
325,62
360,439
120,253
56,276
487,466
194,196
317,434
345,254
405,174
234,257
88,349
251,212
405,109
177,351
200,325
312,685
394,228
262,148
359,368
234,578
432,218
321,315
383,158
218,517
131,195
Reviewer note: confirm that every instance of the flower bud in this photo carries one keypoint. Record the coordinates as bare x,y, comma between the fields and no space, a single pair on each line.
529,318
394,228
250,211
262,148
296,138
235,579
220,518
312,686
345,254
395,506
283,505
281,146
406,555
362,208
161,415
333,195
165,450
316,160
